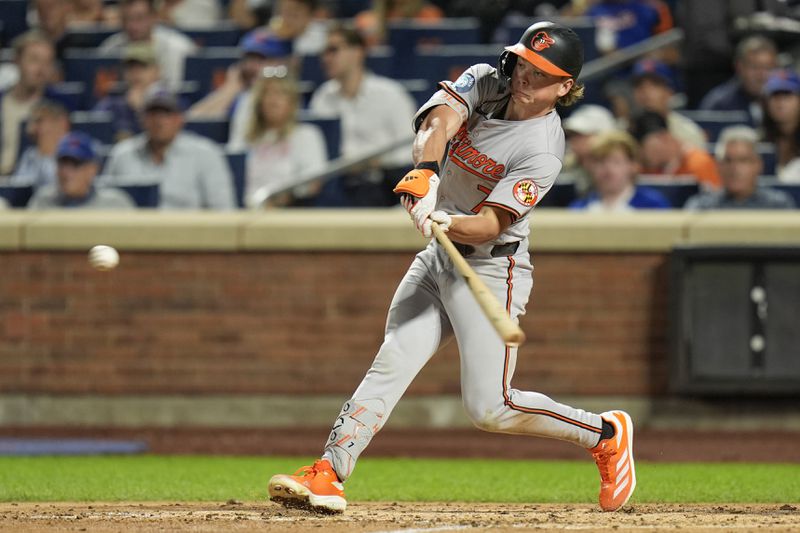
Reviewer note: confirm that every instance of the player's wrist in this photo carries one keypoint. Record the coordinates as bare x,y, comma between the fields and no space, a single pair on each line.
433,166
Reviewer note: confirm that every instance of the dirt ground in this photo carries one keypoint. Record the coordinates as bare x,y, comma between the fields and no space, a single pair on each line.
391,517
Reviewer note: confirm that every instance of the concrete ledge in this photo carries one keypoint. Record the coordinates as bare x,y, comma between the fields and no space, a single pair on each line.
11,226
380,229
141,230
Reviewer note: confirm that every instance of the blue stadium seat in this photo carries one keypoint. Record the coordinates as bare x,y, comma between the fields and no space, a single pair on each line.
405,37
98,124
420,89
561,195
88,36
237,161
331,130
222,34
677,191
769,157
14,19
792,189
713,122
448,62
99,72
209,66
214,129
16,196
143,195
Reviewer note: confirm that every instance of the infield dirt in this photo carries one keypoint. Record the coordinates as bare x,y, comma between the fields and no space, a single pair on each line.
393,517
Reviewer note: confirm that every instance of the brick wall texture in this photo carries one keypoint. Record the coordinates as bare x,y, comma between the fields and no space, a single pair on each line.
293,323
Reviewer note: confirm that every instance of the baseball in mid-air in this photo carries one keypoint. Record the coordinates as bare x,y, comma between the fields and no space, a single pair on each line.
103,257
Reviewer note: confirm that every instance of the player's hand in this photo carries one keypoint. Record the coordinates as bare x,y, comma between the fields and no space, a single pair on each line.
440,217
418,191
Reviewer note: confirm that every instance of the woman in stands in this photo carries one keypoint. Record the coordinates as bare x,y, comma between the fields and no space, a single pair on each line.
782,121
281,151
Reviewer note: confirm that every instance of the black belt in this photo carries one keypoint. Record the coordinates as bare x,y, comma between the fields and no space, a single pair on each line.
498,250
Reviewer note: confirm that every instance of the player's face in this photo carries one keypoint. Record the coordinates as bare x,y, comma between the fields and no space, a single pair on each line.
614,172
740,168
530,85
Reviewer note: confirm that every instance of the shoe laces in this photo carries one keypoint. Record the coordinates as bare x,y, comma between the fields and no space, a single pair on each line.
311,471
603,457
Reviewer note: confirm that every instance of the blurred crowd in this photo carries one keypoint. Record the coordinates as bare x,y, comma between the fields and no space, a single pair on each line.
224,104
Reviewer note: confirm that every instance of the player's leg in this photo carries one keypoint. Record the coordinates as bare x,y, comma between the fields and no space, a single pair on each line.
415,327
487,367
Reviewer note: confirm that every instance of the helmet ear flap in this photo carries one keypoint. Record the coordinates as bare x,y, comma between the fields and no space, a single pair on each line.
506,64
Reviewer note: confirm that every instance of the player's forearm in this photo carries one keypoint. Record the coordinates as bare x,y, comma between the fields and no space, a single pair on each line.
473,229
430,142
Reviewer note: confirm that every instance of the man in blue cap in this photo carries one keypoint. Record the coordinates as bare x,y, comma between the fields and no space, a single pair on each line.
76,168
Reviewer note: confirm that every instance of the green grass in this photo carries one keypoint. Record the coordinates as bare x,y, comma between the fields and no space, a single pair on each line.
199,478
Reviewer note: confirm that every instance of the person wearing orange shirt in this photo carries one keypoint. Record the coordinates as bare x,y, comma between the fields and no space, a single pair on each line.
664,155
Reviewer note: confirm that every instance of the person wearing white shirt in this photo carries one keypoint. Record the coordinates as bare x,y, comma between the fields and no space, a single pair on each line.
375,111
139,25
191,171
281,150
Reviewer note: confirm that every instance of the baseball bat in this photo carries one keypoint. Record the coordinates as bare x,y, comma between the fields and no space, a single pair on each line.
508,330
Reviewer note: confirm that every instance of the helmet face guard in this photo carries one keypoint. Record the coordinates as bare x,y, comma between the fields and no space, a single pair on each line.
550,47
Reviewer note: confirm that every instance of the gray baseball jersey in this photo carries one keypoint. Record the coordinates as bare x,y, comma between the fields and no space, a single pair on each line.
491,161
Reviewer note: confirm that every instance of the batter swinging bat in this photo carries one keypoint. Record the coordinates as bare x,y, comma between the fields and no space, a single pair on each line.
508,330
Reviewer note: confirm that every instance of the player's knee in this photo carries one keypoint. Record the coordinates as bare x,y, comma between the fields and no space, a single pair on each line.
483,416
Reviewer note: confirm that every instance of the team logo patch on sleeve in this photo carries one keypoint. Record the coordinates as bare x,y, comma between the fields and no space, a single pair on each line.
526,192
465,83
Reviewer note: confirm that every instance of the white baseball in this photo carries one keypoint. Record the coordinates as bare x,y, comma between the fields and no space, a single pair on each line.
103,257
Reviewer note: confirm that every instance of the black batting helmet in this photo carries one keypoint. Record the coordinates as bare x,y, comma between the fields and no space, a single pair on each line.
550,47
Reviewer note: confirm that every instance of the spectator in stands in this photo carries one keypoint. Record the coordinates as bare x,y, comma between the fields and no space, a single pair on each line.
665,155
782,121
47,125
83,12
372,23
740,167
755,58
280,150
34,57
294,20
260,49
190,13
248,14
613,167
622,23
77,168
140,73
581,128
191,171
653,90
139,25
52,17
375,111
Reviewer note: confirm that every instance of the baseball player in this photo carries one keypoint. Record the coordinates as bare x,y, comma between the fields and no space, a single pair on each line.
488,148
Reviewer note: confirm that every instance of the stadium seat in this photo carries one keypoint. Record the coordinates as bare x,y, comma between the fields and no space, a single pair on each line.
713,122
792,189
331,130
88,36
222,34
561,195
420,89
99,72
14,19
209,66
676,190
98,124
16,196
406,37
146,196
448,62
237,162
214,129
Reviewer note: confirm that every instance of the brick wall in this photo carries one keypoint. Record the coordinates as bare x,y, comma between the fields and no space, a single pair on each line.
269,323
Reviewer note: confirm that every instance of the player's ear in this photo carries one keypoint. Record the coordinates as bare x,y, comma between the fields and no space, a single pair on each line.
566,86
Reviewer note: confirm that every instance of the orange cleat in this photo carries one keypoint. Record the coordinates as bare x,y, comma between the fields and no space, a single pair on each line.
614,458
315,487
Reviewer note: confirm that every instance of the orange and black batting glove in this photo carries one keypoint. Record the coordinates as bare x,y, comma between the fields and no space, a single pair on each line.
418,190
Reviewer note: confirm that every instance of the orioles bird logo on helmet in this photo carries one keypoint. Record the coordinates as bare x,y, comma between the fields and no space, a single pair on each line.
541,41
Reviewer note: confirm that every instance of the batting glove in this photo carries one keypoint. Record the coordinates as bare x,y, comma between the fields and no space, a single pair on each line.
418,192
440,217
